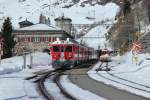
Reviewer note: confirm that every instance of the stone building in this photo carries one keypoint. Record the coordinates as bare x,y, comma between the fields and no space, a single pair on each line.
37,37
64,23
44,20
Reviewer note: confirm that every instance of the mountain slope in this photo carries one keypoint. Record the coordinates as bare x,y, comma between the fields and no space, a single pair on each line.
20,10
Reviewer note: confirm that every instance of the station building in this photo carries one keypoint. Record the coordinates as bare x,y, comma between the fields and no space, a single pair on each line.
36,37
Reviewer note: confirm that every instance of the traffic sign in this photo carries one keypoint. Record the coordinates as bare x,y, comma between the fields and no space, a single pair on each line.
137,47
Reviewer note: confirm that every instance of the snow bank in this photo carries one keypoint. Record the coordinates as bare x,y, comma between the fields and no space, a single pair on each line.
15,64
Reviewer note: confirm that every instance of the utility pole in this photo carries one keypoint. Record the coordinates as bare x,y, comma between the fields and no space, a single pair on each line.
31,60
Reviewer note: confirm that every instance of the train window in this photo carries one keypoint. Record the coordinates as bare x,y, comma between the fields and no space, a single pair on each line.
68,49
56,48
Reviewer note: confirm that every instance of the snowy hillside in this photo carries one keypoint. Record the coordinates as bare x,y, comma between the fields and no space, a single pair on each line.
96,36
19,10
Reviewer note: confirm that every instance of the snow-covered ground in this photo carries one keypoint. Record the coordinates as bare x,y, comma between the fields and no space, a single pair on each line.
71,88
15,64
76,91
126,74
13,85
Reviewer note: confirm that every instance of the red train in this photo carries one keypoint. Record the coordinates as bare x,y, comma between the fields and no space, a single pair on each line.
68,53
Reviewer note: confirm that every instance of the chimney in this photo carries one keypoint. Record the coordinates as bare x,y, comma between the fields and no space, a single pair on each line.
42,19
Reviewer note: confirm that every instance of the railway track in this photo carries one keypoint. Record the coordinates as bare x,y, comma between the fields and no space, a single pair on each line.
65,93
128,80
132,86
54,76
42,87
41,77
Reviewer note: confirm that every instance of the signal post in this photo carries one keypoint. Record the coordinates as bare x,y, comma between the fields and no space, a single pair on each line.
136,49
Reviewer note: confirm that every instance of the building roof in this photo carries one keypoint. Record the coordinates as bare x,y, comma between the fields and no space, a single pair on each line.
62,18
39,27
26,22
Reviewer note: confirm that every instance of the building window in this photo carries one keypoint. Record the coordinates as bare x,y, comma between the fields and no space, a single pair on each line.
49,39
26,39
23,39
32,39
36,39
46,39
29,39
42,39
54,39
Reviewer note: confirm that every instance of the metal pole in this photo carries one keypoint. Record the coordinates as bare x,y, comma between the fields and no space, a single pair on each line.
31,60
24,61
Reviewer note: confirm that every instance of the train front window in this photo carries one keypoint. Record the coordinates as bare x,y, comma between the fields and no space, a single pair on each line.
68,49
56,49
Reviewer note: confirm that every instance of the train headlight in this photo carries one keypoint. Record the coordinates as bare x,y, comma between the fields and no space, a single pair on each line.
70,56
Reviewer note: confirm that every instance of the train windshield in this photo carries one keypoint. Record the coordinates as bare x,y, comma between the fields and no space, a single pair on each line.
56,49
68,49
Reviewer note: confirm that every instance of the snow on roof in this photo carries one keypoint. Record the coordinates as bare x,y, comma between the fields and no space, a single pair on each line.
63,18
26,22
39,27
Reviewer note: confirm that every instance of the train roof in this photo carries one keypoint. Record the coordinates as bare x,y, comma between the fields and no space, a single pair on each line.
69,41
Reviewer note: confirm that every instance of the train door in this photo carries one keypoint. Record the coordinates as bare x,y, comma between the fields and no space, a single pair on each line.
62,55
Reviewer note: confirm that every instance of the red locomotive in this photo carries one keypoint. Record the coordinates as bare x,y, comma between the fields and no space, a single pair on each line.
67,53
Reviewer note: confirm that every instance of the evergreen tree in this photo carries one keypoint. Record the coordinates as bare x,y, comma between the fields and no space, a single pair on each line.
8,37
